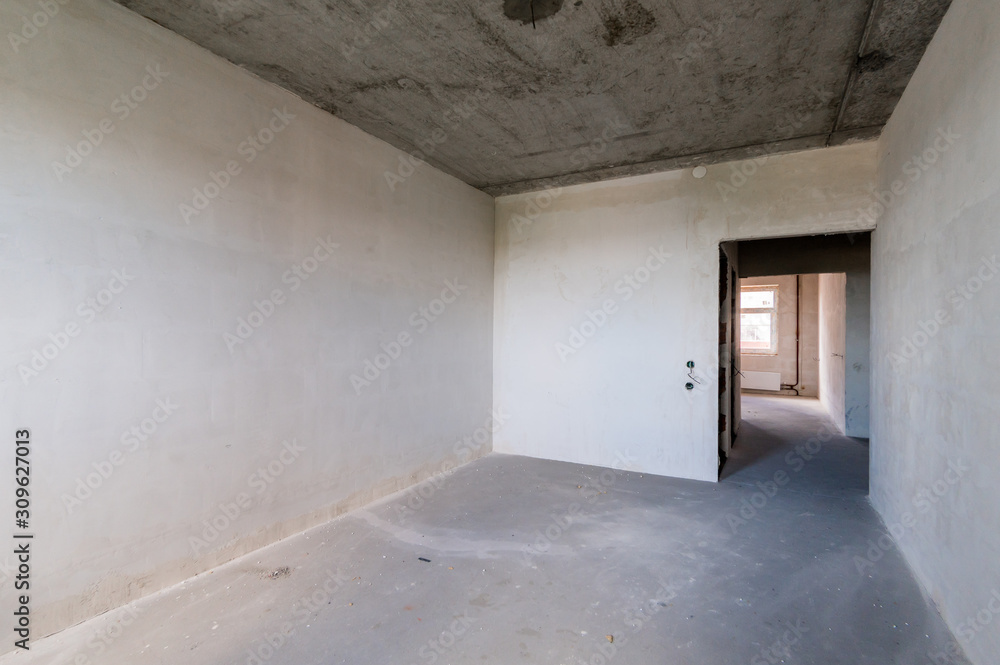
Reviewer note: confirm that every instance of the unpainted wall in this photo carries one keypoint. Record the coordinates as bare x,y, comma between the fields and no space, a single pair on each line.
936,315
805,313
186,373
857,351
832,345
604,292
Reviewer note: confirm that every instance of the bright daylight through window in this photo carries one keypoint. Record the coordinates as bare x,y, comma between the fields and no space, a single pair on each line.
759,319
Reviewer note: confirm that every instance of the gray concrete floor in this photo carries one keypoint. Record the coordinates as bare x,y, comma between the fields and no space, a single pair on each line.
546,562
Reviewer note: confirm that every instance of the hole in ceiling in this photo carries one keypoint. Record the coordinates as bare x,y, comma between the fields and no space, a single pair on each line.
521,10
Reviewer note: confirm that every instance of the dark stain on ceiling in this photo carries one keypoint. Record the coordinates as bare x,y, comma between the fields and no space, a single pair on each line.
592,89
625,22
530,11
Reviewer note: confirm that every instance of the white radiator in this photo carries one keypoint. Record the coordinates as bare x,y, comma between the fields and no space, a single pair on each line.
761,381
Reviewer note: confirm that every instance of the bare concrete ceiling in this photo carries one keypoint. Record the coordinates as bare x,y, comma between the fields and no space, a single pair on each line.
594,89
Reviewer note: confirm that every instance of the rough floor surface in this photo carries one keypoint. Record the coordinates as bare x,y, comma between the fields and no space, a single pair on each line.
512,559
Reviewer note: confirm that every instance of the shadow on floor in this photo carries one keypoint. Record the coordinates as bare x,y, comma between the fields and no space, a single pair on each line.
518,560
794,437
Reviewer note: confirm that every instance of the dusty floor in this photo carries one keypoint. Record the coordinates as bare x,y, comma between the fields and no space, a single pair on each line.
513,559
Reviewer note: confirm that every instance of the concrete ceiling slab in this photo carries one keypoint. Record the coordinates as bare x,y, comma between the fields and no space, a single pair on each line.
515,95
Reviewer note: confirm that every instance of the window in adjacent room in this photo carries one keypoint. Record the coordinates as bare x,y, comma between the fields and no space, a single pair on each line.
759,320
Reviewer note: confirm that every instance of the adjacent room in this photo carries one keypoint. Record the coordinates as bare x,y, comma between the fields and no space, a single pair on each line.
646,331
803,348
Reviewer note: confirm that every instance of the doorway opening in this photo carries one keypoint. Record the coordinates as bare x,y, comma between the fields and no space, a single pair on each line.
794,361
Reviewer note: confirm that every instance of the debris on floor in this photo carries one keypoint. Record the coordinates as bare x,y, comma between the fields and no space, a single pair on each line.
284,571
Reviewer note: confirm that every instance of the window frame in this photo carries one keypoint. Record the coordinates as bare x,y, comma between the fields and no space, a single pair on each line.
772,350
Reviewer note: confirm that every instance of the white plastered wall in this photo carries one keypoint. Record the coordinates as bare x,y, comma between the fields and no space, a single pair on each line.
593,367
273,417
936,308
857,353
832,343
